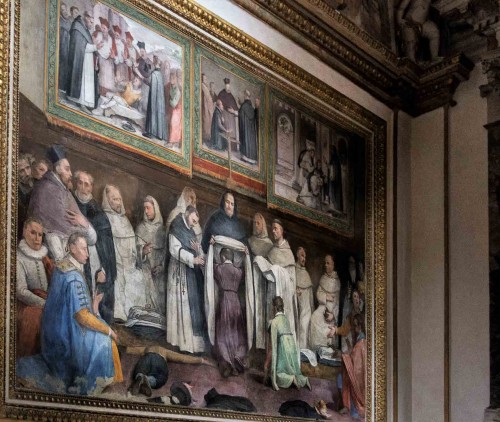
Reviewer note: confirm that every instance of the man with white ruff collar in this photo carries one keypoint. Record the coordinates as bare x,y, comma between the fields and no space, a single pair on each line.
34,269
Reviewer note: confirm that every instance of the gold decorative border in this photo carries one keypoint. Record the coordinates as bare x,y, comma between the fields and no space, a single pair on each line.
341,108
335,40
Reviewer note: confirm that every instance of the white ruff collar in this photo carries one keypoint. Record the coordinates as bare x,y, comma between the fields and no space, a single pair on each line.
31,253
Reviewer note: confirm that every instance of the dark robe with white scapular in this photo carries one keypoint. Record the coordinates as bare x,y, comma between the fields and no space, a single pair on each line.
218,136
193,282
248,119
220,224
64,28
156,122
106,251
79,38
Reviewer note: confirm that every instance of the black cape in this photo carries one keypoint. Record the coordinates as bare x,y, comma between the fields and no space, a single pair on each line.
248,125
214,400
106,251
64,28
79,37
219,224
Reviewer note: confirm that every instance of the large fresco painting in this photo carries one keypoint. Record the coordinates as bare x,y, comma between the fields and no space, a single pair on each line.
238,273
116,72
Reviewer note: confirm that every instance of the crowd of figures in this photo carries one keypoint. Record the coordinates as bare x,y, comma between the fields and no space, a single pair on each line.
105,72
214,291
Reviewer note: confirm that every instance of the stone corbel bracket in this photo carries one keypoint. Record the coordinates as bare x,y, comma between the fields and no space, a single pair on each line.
491,68
374,67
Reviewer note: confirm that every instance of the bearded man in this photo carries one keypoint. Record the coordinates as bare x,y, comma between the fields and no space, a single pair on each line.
275,276
33,273
102,259
130,289
53,204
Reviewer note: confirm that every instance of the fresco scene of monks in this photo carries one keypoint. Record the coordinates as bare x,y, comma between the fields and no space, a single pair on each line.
230,107
162,298
113,69
313,165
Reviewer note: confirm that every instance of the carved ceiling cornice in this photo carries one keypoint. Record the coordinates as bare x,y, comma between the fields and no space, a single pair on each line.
334,39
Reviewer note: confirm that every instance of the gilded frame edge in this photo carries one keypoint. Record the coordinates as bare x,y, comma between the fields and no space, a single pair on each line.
225,32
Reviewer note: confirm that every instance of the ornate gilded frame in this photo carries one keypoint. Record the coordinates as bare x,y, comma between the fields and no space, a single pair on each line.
63,115
34,405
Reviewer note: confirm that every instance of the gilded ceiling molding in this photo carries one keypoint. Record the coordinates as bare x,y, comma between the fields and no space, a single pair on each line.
339,43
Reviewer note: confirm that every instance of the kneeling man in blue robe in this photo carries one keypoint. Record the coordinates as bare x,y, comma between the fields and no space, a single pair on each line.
79,352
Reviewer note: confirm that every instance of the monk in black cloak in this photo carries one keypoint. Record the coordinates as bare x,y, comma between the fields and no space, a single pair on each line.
224,222
82,84
105,246
64,28
248,118
186,321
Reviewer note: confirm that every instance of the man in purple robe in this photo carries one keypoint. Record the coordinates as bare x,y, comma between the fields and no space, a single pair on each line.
230,343
54,205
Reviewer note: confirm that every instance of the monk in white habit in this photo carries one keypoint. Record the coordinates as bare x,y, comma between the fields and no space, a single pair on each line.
325,317
305,300
130,289
150,235
259,242
275,276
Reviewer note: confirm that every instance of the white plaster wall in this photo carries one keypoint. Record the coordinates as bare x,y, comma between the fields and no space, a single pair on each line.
404,305
427,268
469,277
